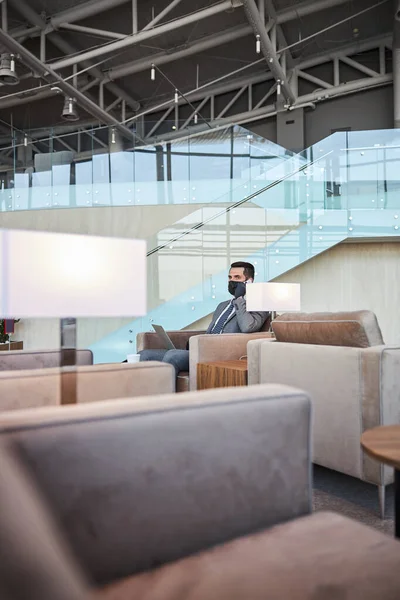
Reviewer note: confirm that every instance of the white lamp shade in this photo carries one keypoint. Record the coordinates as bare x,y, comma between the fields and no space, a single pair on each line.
273,297
62,275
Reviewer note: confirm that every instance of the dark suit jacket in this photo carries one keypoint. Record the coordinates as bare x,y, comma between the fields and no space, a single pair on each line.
241,321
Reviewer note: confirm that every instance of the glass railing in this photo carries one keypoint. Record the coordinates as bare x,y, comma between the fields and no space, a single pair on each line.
342,187
96,167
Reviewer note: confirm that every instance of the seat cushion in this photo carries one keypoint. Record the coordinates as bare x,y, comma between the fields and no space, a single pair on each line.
357,329
312,558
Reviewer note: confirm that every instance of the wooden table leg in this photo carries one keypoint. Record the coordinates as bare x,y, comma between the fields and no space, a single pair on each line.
397,503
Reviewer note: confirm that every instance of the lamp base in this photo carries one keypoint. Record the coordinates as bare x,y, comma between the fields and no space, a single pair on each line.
68,359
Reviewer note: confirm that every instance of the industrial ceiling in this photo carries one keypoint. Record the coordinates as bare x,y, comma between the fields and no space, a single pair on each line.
138,65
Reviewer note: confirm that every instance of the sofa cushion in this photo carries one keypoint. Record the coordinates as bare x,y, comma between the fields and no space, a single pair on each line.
34,564
357,329
313,557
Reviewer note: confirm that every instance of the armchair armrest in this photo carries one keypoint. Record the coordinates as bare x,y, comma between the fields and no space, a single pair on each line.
253,359
226,346
138,483
149,340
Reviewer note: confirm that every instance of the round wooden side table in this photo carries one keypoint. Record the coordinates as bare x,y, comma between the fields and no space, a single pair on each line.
383,444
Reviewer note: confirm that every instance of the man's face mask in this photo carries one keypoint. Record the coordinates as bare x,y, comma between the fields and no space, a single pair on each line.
237,288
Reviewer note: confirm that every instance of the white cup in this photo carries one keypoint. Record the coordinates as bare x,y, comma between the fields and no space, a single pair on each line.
133,358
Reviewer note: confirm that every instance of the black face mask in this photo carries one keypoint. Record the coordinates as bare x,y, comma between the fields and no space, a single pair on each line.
237,288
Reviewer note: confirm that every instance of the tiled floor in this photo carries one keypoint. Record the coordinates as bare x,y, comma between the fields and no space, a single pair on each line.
352,498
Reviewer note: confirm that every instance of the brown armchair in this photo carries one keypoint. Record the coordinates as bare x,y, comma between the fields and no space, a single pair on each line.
203,348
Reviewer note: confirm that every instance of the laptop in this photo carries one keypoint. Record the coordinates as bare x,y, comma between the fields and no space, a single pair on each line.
164,337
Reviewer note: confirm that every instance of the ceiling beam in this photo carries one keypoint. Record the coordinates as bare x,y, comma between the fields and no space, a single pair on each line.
162,58
306,8
271,110
45,72
91,31
268,49
146,35
32,17
83,11
282,42
323,58
233,83
162,14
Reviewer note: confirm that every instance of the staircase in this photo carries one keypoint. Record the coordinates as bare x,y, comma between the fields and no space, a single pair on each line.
342,187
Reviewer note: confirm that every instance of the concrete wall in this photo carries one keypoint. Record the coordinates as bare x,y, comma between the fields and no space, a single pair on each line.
372,109
363,111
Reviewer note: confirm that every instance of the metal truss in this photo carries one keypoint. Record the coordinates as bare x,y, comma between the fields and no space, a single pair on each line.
268,48
232,112
50,27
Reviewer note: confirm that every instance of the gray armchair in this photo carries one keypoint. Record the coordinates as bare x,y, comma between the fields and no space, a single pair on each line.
199,496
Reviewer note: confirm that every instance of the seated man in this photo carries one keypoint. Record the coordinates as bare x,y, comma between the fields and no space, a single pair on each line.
229,317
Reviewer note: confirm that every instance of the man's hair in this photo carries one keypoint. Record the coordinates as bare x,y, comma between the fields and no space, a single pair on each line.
248,268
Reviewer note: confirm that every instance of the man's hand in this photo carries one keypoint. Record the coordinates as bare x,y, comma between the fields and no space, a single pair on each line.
240,290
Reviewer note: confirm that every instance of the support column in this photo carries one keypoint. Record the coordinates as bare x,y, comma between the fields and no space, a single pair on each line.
290,129
396,65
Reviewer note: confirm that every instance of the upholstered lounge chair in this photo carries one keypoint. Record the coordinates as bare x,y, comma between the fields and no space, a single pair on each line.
353,378
199,496
203,348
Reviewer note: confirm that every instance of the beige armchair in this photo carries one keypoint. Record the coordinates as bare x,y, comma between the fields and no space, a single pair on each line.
39,359
42,387
352,377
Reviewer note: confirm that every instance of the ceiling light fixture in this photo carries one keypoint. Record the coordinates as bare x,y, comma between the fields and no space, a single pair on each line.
176,97
153,73
195,118
258,44
69,112
113,135
8,76
25,140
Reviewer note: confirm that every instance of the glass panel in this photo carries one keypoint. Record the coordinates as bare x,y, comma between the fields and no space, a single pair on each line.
100,168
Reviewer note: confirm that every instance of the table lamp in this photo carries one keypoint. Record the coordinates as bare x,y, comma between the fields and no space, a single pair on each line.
69,276
273,297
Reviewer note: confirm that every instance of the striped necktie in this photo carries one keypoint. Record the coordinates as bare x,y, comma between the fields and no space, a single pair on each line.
223,318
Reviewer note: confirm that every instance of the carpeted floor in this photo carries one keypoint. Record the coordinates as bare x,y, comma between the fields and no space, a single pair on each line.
352,498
